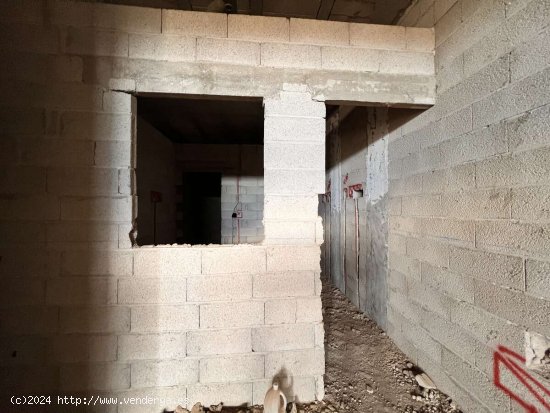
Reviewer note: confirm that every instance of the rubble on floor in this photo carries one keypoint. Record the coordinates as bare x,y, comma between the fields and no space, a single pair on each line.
365,371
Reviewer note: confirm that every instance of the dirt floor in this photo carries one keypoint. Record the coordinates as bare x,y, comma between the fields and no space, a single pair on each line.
365,371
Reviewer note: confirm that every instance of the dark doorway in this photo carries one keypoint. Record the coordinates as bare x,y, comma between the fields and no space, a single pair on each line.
199,219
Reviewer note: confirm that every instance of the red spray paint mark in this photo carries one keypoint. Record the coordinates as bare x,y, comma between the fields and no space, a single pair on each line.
509,359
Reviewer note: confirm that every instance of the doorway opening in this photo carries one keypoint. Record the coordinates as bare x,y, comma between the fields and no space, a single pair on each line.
199,170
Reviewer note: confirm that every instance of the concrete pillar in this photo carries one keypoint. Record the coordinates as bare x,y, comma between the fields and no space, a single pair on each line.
294,166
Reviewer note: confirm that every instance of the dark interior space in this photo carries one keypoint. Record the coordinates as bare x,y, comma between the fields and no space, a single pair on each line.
193,157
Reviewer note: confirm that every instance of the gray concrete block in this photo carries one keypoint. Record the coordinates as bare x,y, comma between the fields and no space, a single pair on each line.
235,259
96,209
537,280
104,319
159,261
147,374
307,31
95,43
231,393
207,289
531,204
72,291
162,47
291,55
151,346
453,284
102,263
104,376
229,315
375,36
280,311
218,342
480,204
279,338
164,318
192,23
258,28
234,367
228,51
415,63
291,284
304,362
513,236
351,59
167,290
529,130
127,18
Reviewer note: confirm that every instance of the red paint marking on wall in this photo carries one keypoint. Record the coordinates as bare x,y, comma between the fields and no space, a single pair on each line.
504,357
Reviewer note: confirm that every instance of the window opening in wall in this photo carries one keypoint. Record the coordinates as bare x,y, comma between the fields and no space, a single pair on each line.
199,170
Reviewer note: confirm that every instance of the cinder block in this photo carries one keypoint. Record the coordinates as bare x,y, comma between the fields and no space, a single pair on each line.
18,262
292,130
296,363
109,319
293,259
258,28
290,284
456,285
489,204
116,154
68,235
83,181
23,291
29,38
160,261
406,225
207,289
309,310
529,129
531,204
19,234
350,59
307,31
474,381
228,51
42,69
496,268
54,152
298,182
152,290
127,18
163,47
293,156
278,338
280,312
232,368
89,42
235,259
79,348
433,252
375,36
105,376
192,23
278,232
449,229
488,328
96,126
96,209
512,100
151,346
287,55
448,24
30,320
531,56
218,342
513,235
73,290
24,208
228,315
22,180
407,62
21,11
429,298
148,374
424,205
420,39
232,394
164,318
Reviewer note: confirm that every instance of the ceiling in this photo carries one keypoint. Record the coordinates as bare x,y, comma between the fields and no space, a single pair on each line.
223,121
360,11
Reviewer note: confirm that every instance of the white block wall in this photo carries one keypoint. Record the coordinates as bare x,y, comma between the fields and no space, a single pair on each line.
82,312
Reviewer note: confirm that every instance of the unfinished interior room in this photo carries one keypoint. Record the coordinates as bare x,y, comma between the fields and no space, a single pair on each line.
249,206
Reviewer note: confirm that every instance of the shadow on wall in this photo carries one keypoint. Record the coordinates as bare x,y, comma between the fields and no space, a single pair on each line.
356,224
66,211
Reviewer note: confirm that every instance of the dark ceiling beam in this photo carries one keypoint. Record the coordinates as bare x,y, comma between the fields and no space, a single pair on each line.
325,8
257,7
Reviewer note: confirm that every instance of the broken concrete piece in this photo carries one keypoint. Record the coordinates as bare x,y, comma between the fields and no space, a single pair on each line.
197,408
180,409
216,408
424,381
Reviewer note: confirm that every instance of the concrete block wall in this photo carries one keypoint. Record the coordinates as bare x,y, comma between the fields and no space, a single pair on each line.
84,313
468,245
244,194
